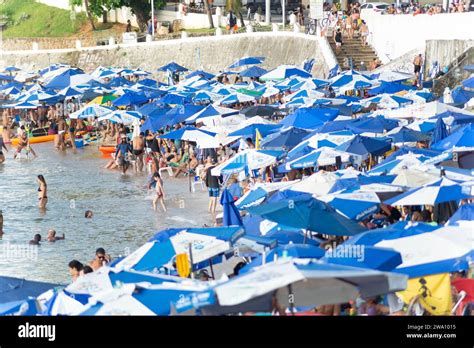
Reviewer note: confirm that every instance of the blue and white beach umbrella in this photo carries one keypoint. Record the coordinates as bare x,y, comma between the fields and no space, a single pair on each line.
309,282
355,206
283,72
91,111
304,211
141,299
160,251
443,250
247,160
123,116
236,98
460,140
190,134
211,111
246,61
439,191
320,157
387,101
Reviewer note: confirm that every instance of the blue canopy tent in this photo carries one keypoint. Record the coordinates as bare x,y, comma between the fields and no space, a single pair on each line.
129,99
304,211
119,82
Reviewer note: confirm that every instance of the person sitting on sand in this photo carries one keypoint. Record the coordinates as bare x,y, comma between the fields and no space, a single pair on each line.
52,236
36,240
101,259
75,268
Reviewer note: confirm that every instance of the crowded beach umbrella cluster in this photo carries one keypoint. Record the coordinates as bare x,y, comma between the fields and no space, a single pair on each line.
332,164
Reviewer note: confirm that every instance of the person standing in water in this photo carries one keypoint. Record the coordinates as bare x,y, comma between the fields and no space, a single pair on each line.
52,236
2,146
160,192
138,149
24,143
42,192
122,150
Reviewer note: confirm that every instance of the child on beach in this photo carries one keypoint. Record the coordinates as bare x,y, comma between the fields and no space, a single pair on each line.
160,193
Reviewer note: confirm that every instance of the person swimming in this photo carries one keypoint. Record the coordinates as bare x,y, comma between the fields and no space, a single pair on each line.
42,192
88,214
52,236
36,240
1,224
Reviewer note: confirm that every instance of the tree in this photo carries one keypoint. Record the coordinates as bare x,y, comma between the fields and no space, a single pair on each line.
140,8
207,8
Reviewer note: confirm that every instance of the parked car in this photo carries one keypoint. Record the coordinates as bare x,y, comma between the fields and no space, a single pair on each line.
377,7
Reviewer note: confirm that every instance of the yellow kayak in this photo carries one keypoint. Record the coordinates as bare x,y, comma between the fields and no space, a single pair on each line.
35,140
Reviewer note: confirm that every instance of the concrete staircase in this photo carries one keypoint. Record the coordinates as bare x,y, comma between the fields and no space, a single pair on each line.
353,48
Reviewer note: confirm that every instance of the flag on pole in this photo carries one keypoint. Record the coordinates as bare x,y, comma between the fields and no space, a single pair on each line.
258,139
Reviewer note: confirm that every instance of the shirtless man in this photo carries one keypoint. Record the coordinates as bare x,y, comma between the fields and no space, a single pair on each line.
101,259
52,236
417,62
138,150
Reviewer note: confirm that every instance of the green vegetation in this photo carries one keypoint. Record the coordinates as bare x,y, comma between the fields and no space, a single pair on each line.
27,18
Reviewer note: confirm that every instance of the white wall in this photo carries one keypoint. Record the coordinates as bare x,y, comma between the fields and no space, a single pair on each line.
394,35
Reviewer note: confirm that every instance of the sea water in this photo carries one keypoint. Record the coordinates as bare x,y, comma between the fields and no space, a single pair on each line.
123,215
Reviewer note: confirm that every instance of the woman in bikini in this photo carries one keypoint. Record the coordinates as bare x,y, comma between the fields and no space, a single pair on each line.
42,192
160,192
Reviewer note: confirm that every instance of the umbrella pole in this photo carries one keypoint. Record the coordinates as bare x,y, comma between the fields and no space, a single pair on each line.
212,269
191,259
305,234
189,171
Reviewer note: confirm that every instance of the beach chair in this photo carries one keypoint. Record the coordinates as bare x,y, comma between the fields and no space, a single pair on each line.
169,170
197,179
